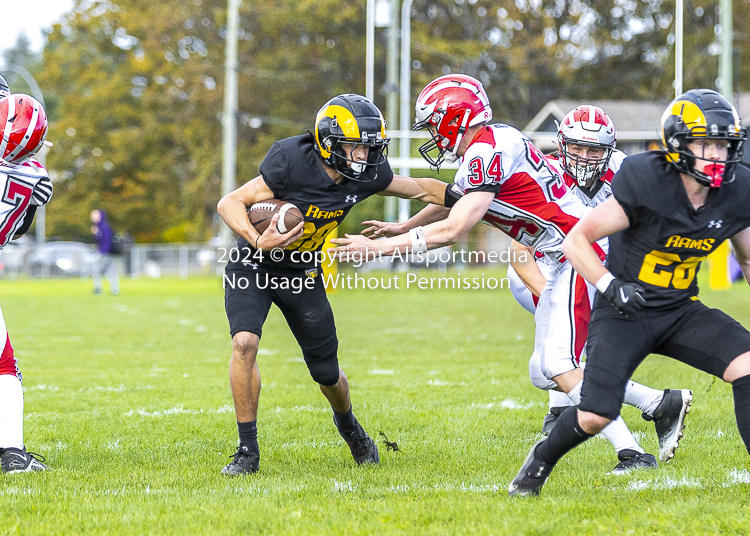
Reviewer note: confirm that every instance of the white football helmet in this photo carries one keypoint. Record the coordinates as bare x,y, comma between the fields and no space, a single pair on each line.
588,126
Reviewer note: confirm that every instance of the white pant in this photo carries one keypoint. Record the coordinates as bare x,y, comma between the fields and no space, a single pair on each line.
562,318
520,291
11,394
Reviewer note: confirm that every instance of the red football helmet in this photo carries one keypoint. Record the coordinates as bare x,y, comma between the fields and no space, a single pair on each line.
588,126
23,126
451,104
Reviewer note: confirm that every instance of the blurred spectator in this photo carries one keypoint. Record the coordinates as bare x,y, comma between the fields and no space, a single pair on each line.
107,260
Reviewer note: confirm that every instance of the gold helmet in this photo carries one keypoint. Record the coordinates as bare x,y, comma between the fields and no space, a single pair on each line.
701,114
351,119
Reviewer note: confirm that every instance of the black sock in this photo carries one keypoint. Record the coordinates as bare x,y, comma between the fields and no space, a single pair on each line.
741,388
345,422
248,434
566,435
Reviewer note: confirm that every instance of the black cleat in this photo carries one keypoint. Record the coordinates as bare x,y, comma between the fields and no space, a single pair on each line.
531,477
550,420
19,461
363,448
669,420
630,460
244,462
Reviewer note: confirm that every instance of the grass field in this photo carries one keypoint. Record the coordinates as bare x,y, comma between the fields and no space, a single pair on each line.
128,398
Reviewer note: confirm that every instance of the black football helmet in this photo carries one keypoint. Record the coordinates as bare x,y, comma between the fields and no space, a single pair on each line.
701,114
351,119
4,89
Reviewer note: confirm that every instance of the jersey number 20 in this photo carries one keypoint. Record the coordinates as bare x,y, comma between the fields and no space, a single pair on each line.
662,269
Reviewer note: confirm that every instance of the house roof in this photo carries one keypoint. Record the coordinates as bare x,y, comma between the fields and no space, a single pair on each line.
628,116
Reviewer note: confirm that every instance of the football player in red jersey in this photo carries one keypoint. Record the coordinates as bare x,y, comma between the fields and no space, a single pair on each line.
324,174
587,160
668,211
25,186
505,181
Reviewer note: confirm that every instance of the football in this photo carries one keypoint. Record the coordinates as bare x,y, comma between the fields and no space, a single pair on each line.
261,213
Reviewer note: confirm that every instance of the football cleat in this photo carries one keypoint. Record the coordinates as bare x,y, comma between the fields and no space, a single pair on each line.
669,420
531,477
630,460
363,448
550,420
244,462
19,461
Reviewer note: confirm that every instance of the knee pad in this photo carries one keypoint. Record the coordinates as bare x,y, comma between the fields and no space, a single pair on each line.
324,371
536,375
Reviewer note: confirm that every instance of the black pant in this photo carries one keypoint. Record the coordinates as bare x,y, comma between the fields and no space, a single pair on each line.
248,296
704,338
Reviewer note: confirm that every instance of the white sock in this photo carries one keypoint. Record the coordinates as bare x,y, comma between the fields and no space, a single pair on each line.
616,432
11,412
558,399
643,397
575,394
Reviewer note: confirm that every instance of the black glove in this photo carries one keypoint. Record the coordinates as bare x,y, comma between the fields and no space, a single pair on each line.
627,298
42,192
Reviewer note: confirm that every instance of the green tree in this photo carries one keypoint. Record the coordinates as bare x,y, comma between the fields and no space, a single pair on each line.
134,89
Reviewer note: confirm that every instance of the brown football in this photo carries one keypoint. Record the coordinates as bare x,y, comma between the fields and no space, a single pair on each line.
261,213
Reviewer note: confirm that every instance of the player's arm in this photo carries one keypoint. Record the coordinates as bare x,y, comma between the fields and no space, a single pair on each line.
233,210
26,223
741,243
523,262
429,214
605,220
463,216
422,189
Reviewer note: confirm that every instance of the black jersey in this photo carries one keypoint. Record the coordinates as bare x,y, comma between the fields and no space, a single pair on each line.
294,172
667,239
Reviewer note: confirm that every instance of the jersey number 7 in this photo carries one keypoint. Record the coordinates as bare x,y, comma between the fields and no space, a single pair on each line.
17,194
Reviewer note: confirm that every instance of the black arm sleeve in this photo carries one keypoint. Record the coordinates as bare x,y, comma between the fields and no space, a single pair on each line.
451,196
27,219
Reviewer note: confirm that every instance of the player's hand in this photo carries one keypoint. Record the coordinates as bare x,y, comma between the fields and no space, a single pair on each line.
379,229
42,192
627,298
272,238
351,244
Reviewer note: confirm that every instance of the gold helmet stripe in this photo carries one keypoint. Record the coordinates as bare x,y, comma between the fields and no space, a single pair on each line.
691,115
346,122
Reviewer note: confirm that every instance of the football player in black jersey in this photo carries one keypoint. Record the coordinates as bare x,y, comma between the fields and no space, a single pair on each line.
669,210
324,174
